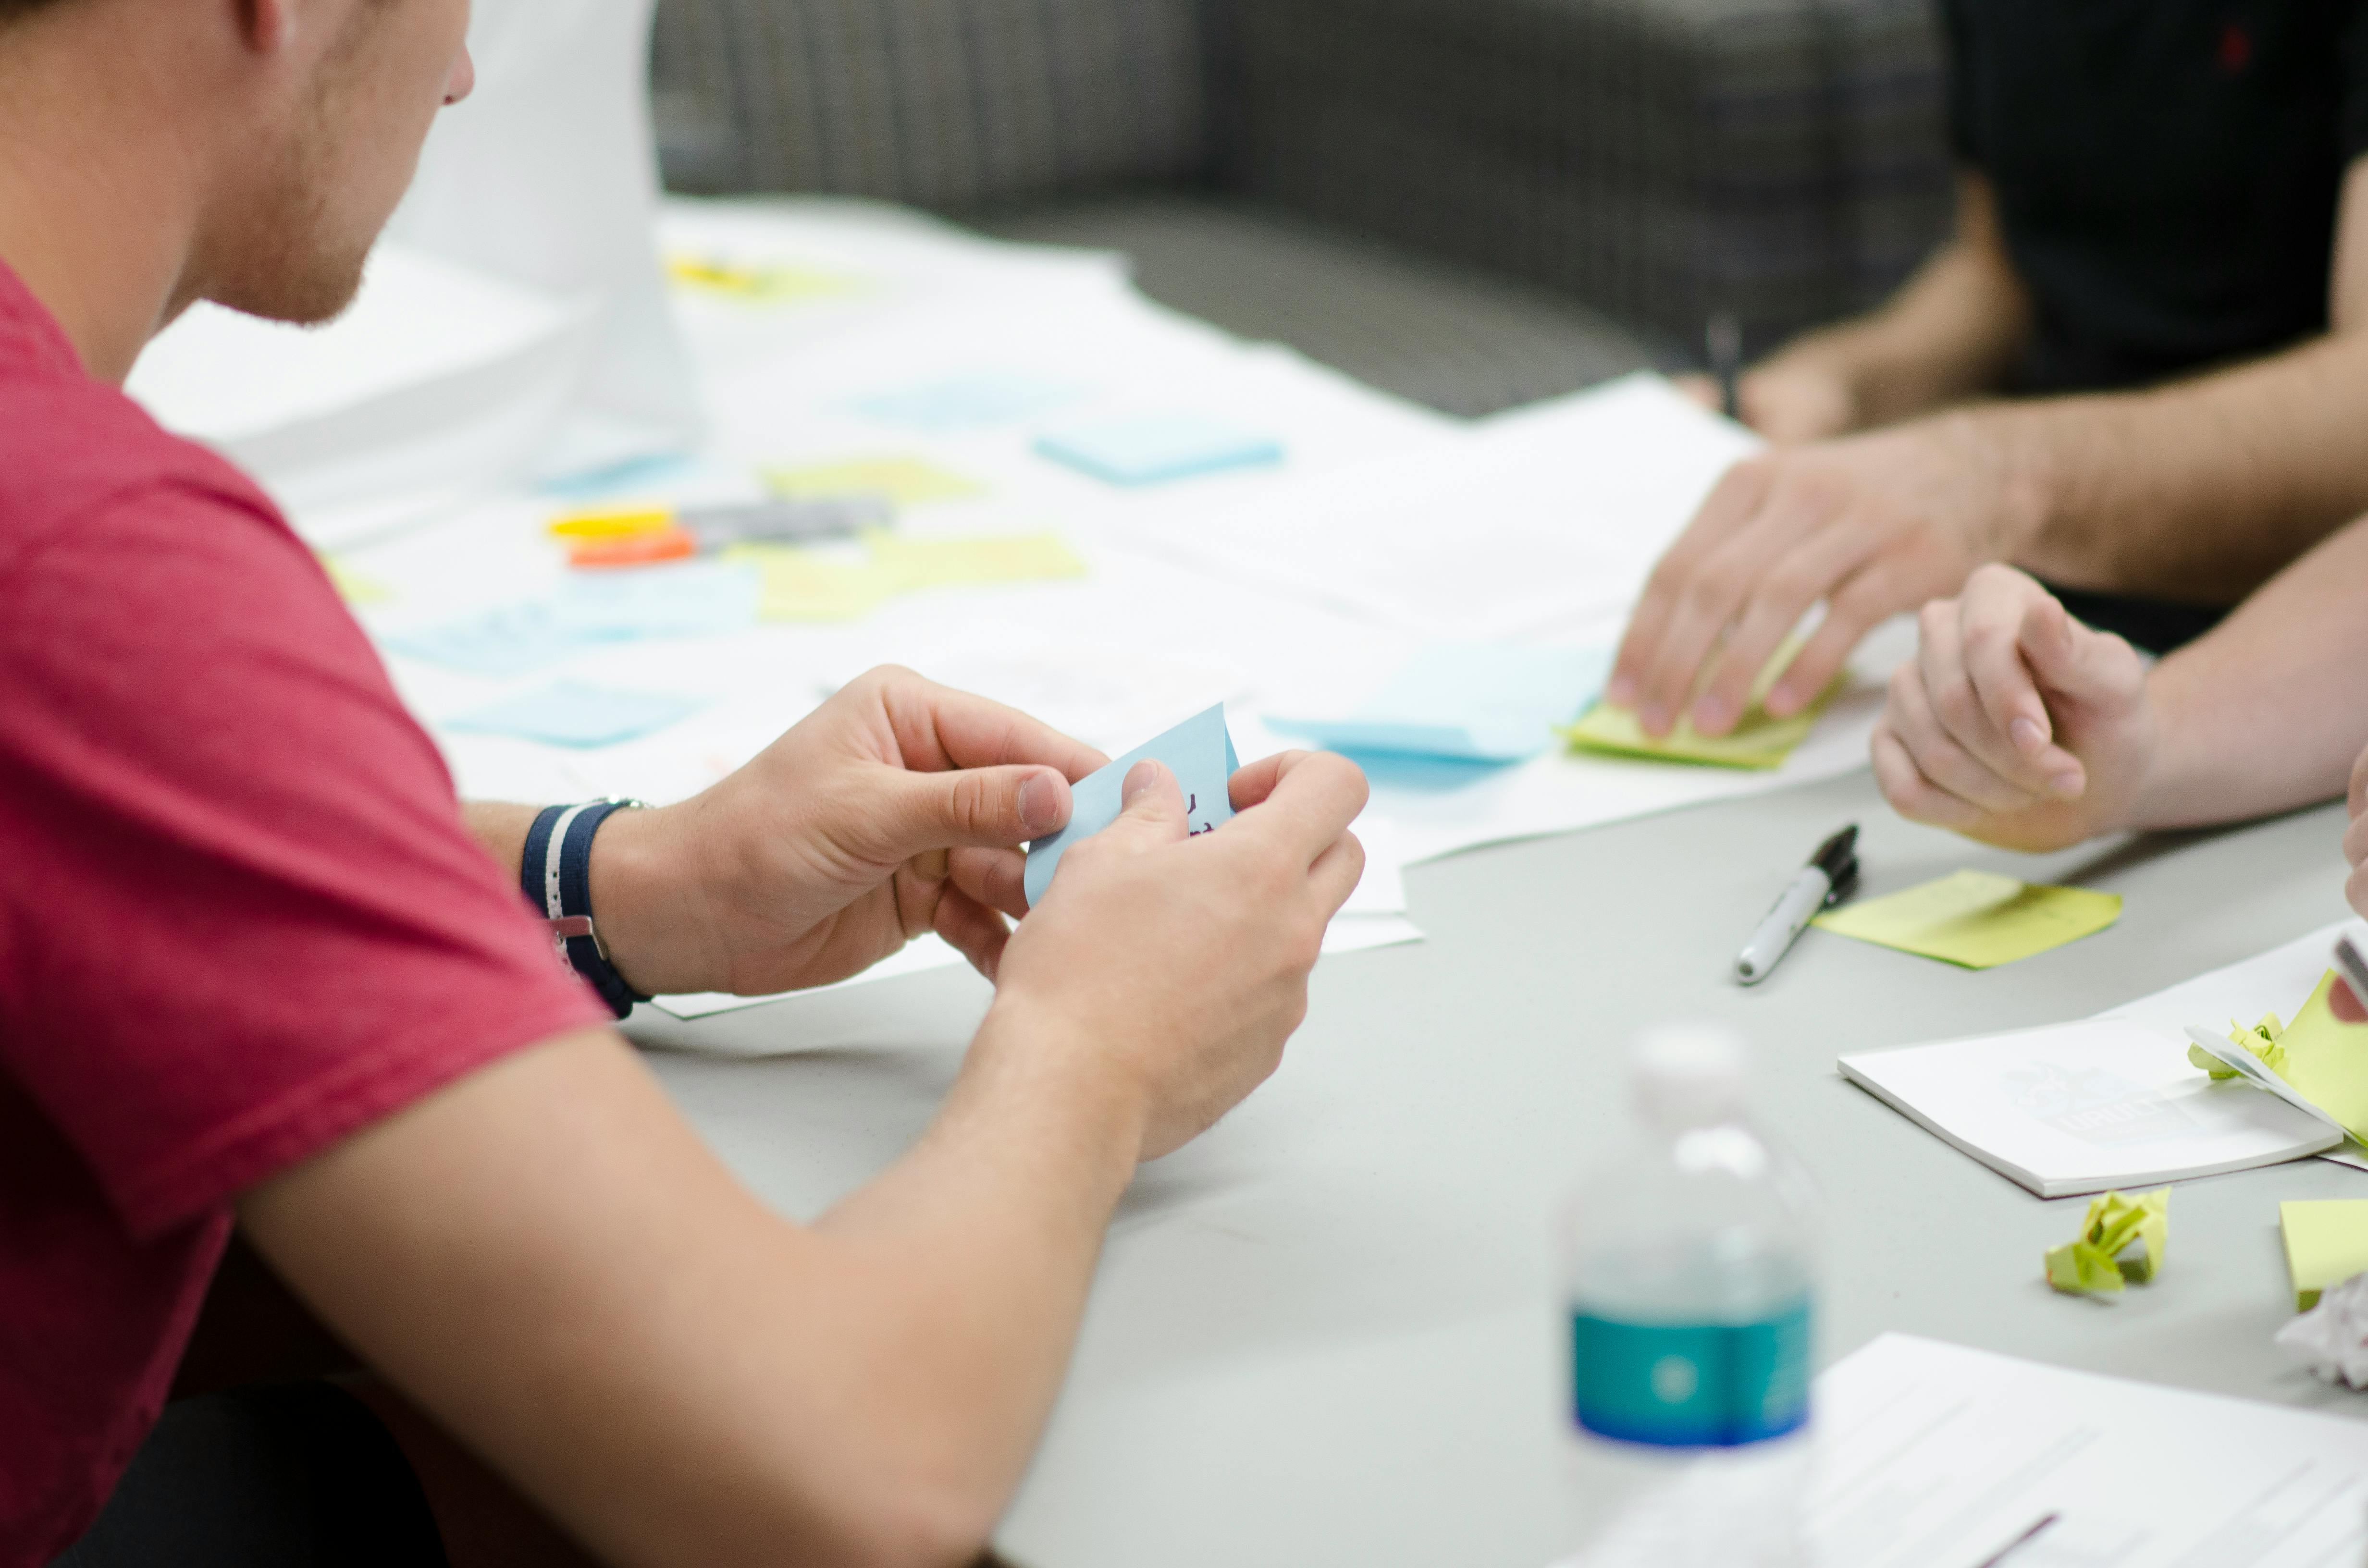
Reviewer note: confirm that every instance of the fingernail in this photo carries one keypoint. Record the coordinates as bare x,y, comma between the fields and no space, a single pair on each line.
2065,785
1621,692
1139,778
1711,714
1040,804
2028,736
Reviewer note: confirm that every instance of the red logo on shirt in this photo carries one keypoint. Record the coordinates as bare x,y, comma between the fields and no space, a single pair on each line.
2235,48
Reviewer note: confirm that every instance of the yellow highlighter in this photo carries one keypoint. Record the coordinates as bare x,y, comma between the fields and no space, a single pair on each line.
643,534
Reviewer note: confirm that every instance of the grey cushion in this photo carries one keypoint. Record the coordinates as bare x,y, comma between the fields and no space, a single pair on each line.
1784,159
1658,159
1462,340
946,104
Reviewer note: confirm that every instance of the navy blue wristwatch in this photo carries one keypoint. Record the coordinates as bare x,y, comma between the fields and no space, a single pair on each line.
555,874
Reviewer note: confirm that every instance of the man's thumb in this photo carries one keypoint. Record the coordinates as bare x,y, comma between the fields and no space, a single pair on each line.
984,808
1152,804
2067,657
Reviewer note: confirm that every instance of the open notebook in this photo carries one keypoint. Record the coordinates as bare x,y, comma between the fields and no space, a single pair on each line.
2113,1101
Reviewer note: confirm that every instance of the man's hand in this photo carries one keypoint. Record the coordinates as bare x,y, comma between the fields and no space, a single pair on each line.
1871,525
858,829
2355,889
2015,725
1178,965
1794,397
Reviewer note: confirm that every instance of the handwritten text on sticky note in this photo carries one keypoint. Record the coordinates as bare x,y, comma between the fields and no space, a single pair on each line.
1198,752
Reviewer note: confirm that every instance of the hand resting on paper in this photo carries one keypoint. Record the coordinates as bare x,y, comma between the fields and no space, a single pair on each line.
1187,957
1870,524
2015,725
885,814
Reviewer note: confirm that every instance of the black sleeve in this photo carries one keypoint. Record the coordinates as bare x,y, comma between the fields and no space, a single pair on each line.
2351,45
1957,47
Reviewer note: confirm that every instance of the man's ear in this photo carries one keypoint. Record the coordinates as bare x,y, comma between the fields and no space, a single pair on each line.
266,27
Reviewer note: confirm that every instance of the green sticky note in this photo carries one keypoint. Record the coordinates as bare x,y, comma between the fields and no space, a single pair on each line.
1976,919
2326,1243
1757,740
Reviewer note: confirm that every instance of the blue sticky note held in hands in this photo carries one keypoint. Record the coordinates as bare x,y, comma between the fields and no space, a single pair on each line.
1469,701
1198,752
572,713
1148,449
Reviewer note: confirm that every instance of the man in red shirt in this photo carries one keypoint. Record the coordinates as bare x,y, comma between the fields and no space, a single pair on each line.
258,967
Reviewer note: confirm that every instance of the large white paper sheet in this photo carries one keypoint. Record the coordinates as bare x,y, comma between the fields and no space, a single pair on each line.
1930,1455
1550,520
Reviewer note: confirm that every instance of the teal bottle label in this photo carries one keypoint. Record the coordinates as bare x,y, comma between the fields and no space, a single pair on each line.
1691,1385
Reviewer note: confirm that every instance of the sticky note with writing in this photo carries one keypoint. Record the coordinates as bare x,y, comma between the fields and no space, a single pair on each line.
1198,752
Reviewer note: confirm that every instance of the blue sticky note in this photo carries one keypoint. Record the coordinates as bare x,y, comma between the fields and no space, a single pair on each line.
969,402
571,713
510,640
1148,449
692,599
1471,701
1198,752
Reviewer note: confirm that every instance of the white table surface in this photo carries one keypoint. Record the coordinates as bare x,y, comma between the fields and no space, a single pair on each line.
1326,1331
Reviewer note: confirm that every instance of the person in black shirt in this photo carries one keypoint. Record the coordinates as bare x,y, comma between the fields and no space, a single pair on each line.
2140,370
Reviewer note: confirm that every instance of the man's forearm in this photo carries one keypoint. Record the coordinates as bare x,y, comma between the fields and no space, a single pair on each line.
545,1256
2267,713
499,829
2198,491
1951,331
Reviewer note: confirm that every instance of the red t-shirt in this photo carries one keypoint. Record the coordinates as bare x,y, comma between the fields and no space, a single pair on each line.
240,916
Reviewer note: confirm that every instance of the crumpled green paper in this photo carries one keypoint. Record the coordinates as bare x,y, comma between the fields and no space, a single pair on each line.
2261,1040
2324,1058
2093,1265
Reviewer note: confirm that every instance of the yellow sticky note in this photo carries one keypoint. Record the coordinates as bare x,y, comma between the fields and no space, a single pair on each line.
909,482
808,584
1757,740
836,584
1976,919
2327,1060
353,586
2326,1243
961,562
770,284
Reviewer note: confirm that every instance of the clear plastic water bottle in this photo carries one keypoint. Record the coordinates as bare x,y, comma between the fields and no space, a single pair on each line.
1688,1277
